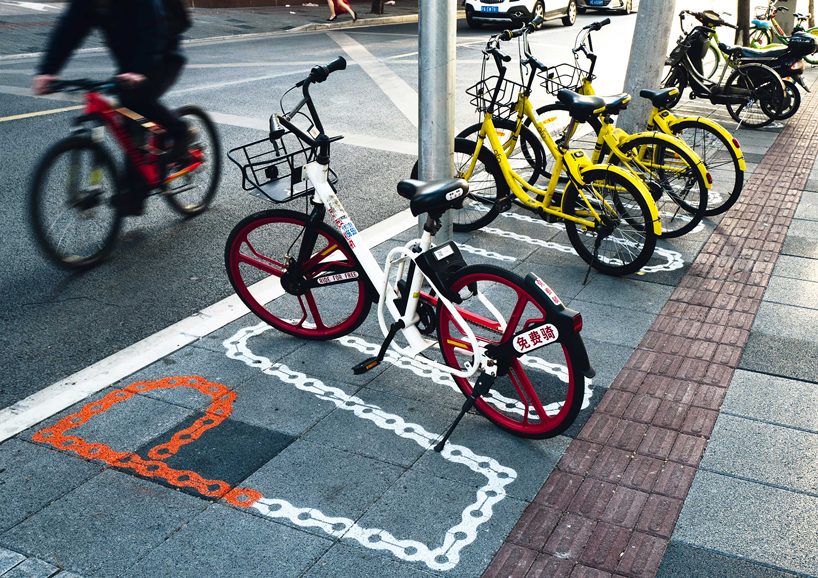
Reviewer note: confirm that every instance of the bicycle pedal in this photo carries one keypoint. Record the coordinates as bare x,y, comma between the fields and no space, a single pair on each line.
366,365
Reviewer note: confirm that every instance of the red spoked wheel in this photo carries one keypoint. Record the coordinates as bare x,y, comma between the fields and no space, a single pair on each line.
328,298
542,392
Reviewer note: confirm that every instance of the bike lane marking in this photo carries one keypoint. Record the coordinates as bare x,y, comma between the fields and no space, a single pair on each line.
75,388
40,113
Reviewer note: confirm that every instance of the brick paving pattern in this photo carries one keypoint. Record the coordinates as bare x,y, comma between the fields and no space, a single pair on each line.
610,505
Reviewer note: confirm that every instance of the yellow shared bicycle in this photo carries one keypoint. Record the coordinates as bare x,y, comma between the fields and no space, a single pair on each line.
674,175
609,215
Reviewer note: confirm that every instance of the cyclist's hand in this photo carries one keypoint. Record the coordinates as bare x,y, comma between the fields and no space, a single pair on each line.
131,79
41,84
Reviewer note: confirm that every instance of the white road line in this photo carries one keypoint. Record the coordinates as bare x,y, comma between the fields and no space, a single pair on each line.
399,92
66,392
357,140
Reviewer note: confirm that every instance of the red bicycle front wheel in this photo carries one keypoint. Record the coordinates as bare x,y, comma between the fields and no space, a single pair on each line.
328,298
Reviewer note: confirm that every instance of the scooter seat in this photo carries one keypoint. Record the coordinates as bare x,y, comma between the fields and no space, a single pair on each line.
659,98
773,52
433,196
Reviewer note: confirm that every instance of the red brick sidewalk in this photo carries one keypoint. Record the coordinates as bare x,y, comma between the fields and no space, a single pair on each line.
610,505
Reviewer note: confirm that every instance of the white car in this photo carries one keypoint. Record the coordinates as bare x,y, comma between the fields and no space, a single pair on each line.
479,12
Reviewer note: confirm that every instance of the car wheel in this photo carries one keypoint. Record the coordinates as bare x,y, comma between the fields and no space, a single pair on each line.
539,10
473,24
571,15
628,7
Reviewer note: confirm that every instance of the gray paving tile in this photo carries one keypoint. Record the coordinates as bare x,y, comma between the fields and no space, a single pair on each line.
606,358
268,402
32,568
532,460
792,292
343,560
803,229
800,246
272,343
796,268
504,246
344,430
637,294
405,383
330,361
222,541
125,425
785,321
8,558
28,481
685,561
337,483
785,357
610,323
773,399
213,366
105,525
424,508
781,456
812,185
752,521
565,281
68,575
808,206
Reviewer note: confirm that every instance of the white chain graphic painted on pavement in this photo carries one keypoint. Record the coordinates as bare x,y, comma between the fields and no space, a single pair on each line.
444,557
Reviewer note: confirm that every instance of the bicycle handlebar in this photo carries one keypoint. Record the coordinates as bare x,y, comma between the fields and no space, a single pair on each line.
597,25
317,74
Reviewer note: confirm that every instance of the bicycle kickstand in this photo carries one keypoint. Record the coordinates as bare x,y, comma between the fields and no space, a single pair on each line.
482,387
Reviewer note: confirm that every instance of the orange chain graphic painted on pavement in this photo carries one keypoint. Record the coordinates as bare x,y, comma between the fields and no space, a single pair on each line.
219,410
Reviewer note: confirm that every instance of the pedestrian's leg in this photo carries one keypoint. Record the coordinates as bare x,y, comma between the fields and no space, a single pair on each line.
333,16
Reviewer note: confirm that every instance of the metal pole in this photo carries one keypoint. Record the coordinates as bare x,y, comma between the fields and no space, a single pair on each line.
648,53
437,31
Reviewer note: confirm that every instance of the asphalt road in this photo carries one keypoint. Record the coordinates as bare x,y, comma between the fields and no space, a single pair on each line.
164,268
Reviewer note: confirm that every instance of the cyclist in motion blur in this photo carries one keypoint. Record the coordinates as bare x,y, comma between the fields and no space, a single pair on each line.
144,38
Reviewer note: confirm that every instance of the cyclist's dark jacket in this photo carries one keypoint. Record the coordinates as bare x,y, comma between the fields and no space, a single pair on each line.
134,31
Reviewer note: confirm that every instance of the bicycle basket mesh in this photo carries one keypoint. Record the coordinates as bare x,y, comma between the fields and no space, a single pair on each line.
482,94
274,168
568,76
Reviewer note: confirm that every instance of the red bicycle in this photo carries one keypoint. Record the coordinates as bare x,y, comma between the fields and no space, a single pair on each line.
76,196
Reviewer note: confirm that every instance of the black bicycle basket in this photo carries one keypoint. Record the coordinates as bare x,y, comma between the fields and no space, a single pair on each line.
567,76
273,169
507,97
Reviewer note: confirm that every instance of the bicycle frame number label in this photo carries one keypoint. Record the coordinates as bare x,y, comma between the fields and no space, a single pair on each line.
549,292
338,277
535,338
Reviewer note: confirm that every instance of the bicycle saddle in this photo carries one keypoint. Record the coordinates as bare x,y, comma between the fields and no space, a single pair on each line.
659,98
616,104
752,52
761,24
581,108
433,196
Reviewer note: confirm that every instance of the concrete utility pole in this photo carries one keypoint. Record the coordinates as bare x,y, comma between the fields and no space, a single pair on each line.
437,32
648,53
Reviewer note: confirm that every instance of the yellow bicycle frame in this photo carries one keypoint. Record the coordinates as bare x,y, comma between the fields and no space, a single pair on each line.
573,162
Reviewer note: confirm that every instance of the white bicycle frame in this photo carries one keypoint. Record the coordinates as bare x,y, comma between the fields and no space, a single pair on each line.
317,175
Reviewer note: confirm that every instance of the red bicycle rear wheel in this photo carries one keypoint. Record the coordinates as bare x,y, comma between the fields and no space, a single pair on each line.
542,392
328,299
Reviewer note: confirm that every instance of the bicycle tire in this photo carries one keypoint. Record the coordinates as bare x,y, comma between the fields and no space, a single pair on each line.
676,77
629,222
345,303
759,36
487,187
526,158
186,203
791,104
553,386
89,201
682,204
764,86
721,161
